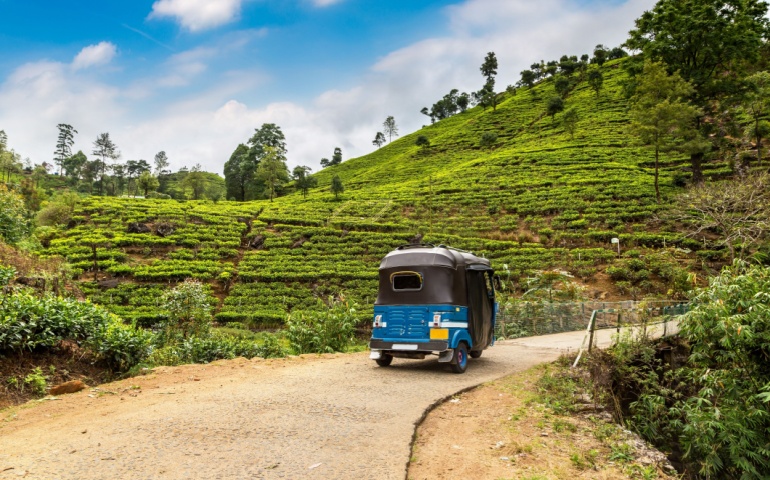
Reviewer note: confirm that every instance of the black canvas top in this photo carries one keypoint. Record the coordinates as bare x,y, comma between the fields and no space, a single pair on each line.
442,270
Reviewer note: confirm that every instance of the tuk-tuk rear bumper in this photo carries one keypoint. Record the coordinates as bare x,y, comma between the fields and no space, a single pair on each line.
431,346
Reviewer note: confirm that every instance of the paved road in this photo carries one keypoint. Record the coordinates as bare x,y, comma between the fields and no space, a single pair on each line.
331,416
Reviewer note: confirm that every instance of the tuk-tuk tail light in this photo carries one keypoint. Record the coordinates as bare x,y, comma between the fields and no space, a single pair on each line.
436,323
378,323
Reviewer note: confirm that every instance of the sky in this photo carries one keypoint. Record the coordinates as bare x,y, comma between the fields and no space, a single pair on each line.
195,78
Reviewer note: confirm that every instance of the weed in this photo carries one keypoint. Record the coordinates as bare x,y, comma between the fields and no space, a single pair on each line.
36,381
623,453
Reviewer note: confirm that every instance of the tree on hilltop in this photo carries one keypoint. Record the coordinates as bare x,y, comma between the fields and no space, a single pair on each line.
64,145
302,179
336,156
595,79
379,139
161,162
555,105
489,70
390,128
272,171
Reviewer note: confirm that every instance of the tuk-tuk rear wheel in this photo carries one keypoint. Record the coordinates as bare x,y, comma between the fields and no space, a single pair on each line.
460,358
475,353
384,360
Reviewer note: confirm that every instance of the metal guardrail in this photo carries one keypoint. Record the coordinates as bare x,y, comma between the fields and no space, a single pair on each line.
525,319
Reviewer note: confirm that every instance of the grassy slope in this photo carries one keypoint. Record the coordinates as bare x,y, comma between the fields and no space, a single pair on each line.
537,199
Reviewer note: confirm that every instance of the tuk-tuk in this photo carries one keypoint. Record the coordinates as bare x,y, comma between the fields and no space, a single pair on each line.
433,300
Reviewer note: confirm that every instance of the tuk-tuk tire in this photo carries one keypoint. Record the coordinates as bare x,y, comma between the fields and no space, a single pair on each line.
460,358
385,360
476,353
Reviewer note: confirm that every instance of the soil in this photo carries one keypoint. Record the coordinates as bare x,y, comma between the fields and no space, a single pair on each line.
62,364
499,430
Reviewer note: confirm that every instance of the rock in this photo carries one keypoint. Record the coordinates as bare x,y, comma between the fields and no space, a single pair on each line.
257,242
417,239
301,241
67,387
164,229
137,227
109,283
583,398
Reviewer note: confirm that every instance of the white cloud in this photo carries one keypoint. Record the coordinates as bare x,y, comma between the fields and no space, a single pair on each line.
100,54
207,126
197,15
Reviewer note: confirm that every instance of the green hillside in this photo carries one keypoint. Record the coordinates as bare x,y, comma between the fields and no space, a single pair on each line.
537,199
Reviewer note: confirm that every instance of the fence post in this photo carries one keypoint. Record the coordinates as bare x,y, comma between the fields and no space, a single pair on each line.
592,327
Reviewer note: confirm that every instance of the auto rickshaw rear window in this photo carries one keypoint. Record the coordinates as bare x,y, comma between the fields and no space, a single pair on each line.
407,281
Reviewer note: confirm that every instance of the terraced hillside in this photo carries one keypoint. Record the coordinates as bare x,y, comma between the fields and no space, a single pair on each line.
538,198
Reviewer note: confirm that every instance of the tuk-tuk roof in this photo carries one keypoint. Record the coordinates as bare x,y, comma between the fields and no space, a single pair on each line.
430,255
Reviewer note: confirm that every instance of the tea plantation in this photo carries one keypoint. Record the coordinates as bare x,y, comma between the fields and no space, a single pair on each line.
538,198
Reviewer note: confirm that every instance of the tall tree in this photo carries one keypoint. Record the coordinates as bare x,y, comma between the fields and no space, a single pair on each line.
390,128
570,120
703,40
661,115
272,171
336,156
64,144
302,179
337,187
195,182
379,139
595,79
161,162
756,102
555,105
146,182
73,165
239,175
105,149
489,70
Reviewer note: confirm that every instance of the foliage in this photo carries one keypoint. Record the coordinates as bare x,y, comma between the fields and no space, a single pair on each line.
390,128
36,381
337,186
217,346
739,211
13,219
555,105
189,310
272,171
29,322
326,331
661,116
379,139
423,142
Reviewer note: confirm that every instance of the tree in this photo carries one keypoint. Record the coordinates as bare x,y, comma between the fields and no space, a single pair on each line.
555,105
161,162
268,135
73,165
147,183
390,128
13,217
489,70
272,171
595,79
600,55
64,145
337,187
738,210
134,168
325,162
195,181
756,102
429,113
487,139
379,139
423,142
703,40
189,310
561,84
462,101
239,175
570,120
302,179
105,149
661,116
336,156
528,79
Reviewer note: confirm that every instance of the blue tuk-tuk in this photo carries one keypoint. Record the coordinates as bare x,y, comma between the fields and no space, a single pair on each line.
433,300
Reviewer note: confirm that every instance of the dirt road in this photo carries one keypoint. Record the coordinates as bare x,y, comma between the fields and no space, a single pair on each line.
330,416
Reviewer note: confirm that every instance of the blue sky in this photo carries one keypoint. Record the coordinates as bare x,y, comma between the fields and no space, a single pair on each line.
196,77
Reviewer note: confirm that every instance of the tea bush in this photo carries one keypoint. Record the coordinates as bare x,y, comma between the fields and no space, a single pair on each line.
326,331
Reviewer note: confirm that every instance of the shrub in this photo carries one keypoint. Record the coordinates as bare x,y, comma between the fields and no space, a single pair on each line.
488,139
326,331
189,310
37,381
13,222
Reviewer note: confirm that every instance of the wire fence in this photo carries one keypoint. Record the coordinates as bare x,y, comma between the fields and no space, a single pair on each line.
527,319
